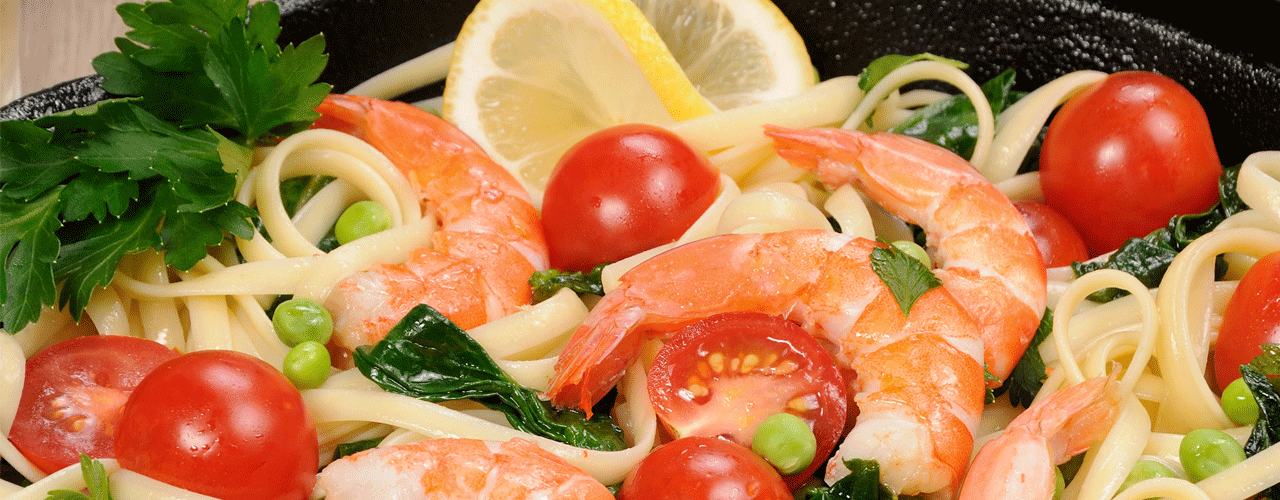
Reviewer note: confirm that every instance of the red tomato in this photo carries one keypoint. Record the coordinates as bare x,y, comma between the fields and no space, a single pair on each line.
703,468
722,376
73,395
1252,318
221,423
621,191
1059,242
1126,154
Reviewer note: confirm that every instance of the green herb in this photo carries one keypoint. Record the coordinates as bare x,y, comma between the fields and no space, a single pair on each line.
1148,258
1268,363
348,449
80,190
862,483
1030,372
428,357
904,275
547,283
953,122
883,65
95,480
1266,431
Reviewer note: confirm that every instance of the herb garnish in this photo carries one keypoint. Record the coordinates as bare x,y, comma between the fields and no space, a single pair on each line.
157,170
547,283
862,483
428,357
95,480
1030,373
906,277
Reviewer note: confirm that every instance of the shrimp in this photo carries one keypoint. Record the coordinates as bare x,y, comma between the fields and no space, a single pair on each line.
461,469
986,255
919,382
1020,462
489,240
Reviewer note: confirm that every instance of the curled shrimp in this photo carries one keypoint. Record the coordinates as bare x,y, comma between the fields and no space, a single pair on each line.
986,255
919,377
459,469
1019,464
489,239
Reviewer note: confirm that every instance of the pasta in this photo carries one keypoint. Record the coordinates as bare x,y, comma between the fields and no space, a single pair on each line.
1158,340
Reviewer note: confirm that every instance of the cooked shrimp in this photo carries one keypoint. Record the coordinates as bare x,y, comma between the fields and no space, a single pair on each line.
1020,462
919,381
459,469
984,249
489,239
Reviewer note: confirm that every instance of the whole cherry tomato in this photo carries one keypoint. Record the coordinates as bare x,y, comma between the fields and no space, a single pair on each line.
1252,318
703,468
1126,154
220,423
1059,242
621,191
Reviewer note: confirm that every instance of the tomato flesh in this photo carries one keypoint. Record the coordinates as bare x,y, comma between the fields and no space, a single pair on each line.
1125,154
1059,242
1252,318
73,395
621,191
220,423
722,376
703,468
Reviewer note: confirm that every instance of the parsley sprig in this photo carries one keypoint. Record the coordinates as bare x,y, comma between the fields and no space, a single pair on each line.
201,82
95,480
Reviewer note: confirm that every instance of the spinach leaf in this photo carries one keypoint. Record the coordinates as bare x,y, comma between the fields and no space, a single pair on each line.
1148,258
428,357
1029,374
883,65
348,449
547,283
953,122
1266,431
862,483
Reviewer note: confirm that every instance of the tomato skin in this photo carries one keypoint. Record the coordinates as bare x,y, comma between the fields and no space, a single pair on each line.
732,403
1126,154
621,191
220,423
1252,318
84,381
1059,242
703,468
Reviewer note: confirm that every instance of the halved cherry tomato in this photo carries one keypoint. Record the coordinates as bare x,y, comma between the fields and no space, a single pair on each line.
1252,318
73,395
1059,242
1126,154
703,468
722,376
220,423
621,191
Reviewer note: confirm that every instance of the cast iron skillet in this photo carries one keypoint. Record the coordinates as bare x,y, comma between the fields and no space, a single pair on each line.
1221,54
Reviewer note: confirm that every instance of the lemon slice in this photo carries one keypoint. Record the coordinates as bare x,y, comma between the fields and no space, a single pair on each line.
529,79
736,52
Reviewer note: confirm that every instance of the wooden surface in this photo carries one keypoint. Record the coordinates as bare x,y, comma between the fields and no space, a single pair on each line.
46,42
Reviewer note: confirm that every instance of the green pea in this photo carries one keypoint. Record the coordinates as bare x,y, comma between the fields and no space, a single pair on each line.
1239,404
915,251
1205,452
786,442
307,365
1145,469
361,219
299,320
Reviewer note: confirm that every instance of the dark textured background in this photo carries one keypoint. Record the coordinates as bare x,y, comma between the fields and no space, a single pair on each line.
1224,53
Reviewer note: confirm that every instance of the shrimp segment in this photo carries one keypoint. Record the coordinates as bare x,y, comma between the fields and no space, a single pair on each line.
984,249
488,244
459,469
919,381
1020,462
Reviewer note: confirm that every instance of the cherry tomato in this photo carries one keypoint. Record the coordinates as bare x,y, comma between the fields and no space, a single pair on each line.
73,395
1059,242
703,468
724,375
1252,318
1126,154
621,191
221,423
